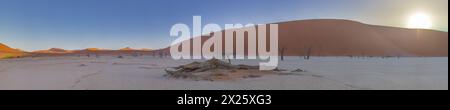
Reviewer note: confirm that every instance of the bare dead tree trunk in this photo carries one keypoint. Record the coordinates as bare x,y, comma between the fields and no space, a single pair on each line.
308,54
229,59
282,50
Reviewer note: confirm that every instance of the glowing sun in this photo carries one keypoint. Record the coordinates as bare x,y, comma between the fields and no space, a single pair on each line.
420,21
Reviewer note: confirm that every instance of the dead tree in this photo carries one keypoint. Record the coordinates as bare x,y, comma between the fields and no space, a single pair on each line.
282,50
226,56
308,53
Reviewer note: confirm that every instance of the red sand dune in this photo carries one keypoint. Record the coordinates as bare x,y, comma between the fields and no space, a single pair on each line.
146,49
7,52
127,49
53,50
4,48
327,37
95,52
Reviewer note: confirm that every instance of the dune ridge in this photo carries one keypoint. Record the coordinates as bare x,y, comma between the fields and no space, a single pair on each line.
8,52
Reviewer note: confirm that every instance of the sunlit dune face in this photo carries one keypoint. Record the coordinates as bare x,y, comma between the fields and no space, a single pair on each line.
93,49
420,21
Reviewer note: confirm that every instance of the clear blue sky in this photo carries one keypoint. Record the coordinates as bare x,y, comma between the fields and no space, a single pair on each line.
113,24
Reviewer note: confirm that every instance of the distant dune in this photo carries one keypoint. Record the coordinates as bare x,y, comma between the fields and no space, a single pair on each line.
7,52
127,49
53,50
146,49
94,52
330,37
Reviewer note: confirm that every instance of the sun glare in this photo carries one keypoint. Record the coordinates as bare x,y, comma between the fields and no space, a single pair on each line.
420,21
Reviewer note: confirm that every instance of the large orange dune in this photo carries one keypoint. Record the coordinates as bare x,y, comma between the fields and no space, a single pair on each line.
332,37
4,48
7,52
